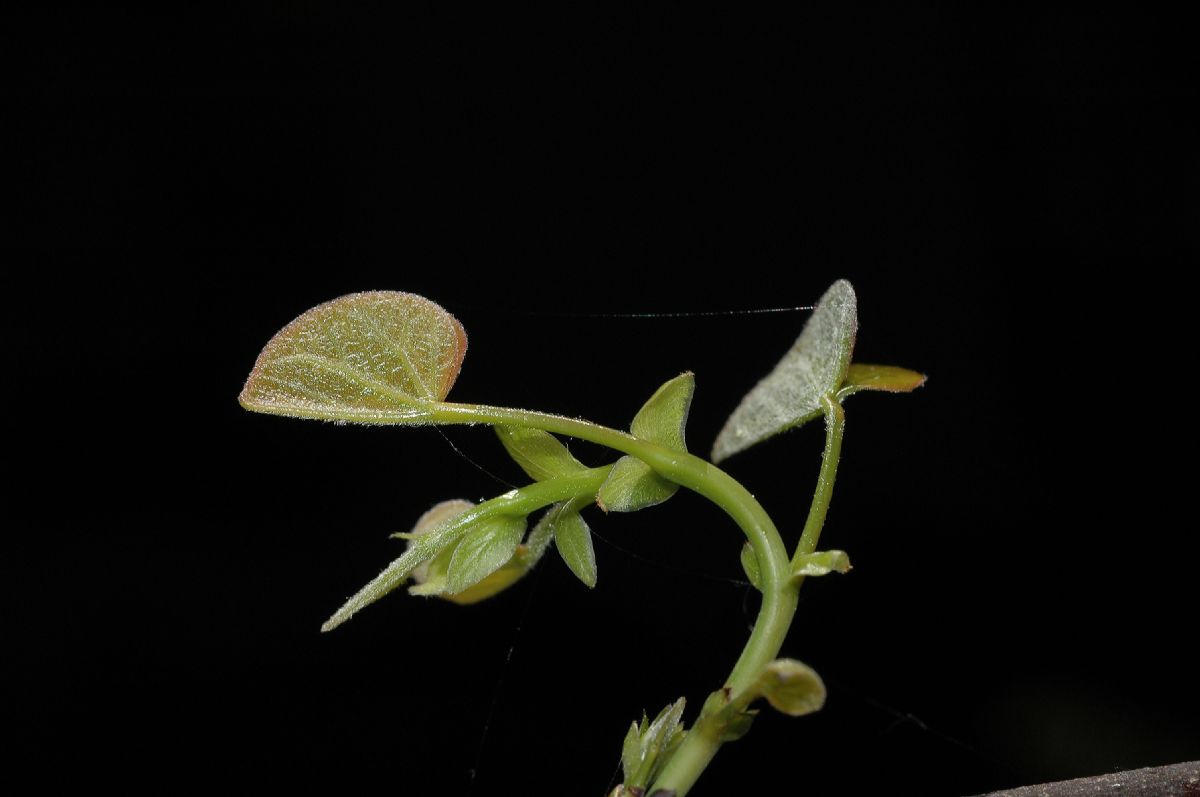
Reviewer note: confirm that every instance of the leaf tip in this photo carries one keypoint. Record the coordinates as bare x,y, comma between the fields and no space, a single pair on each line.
331,623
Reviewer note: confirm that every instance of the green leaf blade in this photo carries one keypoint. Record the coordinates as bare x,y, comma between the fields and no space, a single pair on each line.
374,357
663,418
792,687
540,454
647,748
632,485
435,532
484,549
793,392
573,539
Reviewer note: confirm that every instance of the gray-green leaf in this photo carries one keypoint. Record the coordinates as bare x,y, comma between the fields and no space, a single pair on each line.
794,391
483,550
376,357
632,485
540,454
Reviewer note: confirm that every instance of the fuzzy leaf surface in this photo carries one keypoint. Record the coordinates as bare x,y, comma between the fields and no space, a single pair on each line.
792,393
437,531
375,357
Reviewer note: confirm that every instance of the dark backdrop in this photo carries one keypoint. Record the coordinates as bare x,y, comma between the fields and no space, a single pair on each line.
1012,195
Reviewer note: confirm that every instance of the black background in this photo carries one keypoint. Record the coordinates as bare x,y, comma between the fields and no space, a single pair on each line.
1013,196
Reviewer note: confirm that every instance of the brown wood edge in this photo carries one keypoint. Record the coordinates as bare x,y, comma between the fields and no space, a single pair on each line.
1174,780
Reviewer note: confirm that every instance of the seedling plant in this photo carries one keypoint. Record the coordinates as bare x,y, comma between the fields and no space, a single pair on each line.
386,357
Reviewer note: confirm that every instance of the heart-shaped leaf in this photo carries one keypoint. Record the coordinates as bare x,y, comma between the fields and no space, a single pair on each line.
793,392
376,357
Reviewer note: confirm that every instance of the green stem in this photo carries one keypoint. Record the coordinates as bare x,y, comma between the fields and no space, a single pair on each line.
835,423
515,502
779,596
779,587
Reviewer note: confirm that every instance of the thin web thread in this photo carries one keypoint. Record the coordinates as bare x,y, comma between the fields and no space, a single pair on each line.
672,568
498,689
472,462
901,718
653,315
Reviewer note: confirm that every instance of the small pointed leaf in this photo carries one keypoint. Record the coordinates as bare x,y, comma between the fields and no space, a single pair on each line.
663,418
888,378
632,485
483,550
540,454
573,539
631,750
543,533
750,565
821,563
654,745
792,687
376,357
436,532
793,392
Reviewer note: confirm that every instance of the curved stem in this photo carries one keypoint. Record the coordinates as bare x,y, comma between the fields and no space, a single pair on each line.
779,587
688,470
835,423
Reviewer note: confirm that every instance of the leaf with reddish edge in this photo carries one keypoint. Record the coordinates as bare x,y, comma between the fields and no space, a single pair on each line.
382,357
